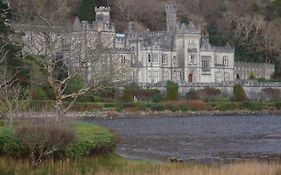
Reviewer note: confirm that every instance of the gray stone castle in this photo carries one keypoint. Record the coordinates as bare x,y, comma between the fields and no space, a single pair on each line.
180,53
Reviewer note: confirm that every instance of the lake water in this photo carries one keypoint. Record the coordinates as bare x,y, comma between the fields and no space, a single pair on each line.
200,139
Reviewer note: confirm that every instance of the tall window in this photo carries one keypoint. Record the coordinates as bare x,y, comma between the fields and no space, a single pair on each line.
218,77
155,58
164,59
149,58
205,63
174,59
155,76
166,75
225,60
226,76
192,59
123,59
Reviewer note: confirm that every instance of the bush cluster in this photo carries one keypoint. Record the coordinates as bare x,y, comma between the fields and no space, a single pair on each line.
270,94
141,94
206,94
89,139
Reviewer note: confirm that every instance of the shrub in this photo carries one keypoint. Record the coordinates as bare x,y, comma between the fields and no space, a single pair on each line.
157,107
278,105
271,94
140,106
86,106
205,94
109,105
145,94
226,106
172,90
252,76
198,105
192,95
209,93
44,138
90,139
157,98
254,106
239,93
42,105
50,92
74,85
185,108
10,145
127,94
37,93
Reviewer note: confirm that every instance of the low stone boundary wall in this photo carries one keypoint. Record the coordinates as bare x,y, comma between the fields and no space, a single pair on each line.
252,88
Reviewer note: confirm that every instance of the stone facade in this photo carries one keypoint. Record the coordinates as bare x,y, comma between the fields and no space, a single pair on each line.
180,53
260,70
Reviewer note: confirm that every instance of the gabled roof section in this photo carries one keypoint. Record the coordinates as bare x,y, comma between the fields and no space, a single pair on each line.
189,29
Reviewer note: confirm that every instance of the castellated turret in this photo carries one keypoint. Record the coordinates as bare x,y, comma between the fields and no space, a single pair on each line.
103,22
171,17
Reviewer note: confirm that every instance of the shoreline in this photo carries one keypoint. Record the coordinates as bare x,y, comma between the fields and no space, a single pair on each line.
144,114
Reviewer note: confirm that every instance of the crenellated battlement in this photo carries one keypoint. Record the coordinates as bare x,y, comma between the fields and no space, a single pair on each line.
102,9
171,7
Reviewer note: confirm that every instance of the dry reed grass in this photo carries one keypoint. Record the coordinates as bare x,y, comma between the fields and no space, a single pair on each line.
114,165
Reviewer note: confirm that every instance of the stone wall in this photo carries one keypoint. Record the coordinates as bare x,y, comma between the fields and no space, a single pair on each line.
252,88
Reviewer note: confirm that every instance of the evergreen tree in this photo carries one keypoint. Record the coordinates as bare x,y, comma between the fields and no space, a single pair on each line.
128,94
4,17
87,10
172,90
239,93
252,76
274,9
8,48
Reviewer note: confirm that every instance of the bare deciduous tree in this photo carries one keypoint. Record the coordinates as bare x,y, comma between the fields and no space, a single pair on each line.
65,54
12,97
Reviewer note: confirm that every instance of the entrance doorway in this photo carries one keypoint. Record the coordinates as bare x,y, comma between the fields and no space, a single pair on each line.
237,77
190,78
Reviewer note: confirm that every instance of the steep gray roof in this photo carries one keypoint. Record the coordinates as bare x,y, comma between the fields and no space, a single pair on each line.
190,28
161,39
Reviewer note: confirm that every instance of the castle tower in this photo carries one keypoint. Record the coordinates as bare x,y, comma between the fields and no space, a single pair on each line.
103,18
171,17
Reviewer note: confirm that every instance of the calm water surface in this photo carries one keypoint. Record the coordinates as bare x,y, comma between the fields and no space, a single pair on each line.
197,138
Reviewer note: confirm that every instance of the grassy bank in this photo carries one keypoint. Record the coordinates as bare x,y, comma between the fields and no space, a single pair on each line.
115,165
